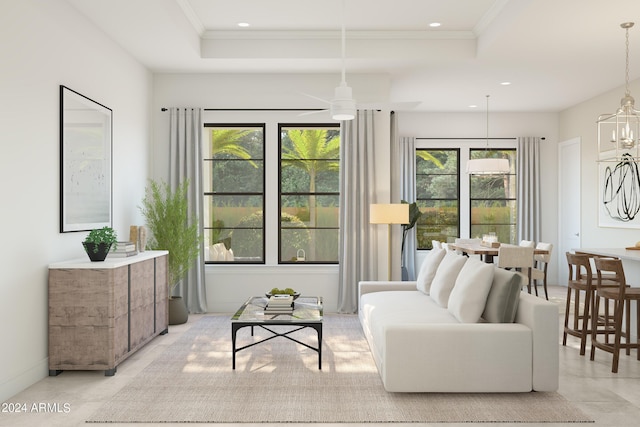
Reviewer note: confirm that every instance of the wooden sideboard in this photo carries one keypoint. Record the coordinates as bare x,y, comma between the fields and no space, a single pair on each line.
102,312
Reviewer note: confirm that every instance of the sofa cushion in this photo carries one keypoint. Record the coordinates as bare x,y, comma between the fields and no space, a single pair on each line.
502,302
445,278
469,294
428,269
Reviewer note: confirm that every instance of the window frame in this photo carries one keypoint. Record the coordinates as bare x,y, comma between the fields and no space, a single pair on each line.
514,199
206,194
465,145
298,125
457,199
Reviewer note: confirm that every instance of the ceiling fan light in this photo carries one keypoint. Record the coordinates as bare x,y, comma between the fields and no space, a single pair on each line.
488,166
340,113
343,106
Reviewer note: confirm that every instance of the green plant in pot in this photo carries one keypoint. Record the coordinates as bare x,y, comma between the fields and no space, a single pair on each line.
99,242
172,229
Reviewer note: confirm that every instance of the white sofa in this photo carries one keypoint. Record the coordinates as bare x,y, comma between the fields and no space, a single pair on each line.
462,326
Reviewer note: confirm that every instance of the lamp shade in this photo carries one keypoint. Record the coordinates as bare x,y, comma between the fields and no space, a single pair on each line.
488,166
391,213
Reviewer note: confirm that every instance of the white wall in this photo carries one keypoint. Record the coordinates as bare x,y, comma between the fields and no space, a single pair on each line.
580,121
44,44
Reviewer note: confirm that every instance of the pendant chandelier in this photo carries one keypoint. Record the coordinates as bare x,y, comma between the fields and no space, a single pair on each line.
488,166
620,129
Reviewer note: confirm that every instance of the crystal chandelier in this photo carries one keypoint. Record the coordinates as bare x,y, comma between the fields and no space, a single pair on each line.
620,129
488,166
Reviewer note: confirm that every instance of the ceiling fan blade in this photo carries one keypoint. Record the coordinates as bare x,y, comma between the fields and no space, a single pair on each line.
308,113
316,97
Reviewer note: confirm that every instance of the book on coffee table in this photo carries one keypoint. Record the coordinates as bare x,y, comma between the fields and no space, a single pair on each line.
279,304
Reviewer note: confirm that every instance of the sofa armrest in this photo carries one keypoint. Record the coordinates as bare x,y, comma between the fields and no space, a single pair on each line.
365,287
541,317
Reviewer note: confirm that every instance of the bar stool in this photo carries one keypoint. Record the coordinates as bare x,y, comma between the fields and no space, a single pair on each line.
580,280
622,295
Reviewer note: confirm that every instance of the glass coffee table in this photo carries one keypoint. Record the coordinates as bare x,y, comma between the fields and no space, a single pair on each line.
307,313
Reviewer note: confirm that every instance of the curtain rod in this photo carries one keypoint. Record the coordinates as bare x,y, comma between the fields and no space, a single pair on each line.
257,109
514,137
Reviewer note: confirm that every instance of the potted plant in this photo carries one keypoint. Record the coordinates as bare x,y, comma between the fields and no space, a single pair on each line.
98,243
414,216
172,229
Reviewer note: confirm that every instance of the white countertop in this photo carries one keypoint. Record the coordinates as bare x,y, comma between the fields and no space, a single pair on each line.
622,253
107,263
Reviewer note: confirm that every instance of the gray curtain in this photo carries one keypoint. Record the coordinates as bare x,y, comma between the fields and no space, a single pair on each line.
358,246
185,162
528,173
407,154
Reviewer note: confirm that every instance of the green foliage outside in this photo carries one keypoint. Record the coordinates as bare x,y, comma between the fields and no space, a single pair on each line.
492,198
248,232
309,187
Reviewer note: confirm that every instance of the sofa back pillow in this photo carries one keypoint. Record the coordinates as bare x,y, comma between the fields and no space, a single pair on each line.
428,269
469,294
445,278
504,296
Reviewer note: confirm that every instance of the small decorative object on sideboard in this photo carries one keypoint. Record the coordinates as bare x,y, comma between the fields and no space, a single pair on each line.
123,250
98,243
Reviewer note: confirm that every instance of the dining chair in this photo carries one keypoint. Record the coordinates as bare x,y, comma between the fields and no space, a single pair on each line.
519,258
528,243
541,264
622,295
436,244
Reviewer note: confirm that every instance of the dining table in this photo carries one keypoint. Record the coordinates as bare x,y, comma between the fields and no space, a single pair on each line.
486,252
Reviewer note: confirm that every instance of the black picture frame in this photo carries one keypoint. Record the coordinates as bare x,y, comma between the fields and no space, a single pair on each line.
85,163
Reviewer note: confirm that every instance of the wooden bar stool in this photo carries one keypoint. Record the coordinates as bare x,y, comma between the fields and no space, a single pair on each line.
621,294
580,281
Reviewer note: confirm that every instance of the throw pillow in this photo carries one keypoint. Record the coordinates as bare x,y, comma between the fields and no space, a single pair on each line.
445,277
428,269
502,302
469,295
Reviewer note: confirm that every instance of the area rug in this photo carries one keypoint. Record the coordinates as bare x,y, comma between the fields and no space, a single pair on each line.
279,382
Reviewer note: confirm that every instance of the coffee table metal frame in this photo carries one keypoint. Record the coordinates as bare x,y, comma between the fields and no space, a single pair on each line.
307,313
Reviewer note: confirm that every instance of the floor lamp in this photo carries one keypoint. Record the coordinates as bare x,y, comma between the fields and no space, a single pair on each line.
391,213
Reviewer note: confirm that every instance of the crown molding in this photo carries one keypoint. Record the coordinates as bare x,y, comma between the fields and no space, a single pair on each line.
335,35
191,16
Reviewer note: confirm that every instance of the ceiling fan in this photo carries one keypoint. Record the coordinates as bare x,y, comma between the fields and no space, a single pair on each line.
343,106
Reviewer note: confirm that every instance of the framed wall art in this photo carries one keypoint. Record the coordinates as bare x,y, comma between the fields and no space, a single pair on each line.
85,162
618,192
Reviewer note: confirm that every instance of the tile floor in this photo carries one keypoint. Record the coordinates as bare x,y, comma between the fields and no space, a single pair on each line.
610,399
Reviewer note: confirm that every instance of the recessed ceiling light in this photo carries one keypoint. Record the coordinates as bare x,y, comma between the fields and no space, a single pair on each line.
434,24
243,24
473,106
505,83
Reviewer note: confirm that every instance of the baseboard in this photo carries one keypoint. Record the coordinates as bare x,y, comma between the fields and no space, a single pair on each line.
24,380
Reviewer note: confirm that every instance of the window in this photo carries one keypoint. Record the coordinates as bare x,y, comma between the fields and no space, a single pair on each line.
493,199
309,193
233,181
455,204
437,195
